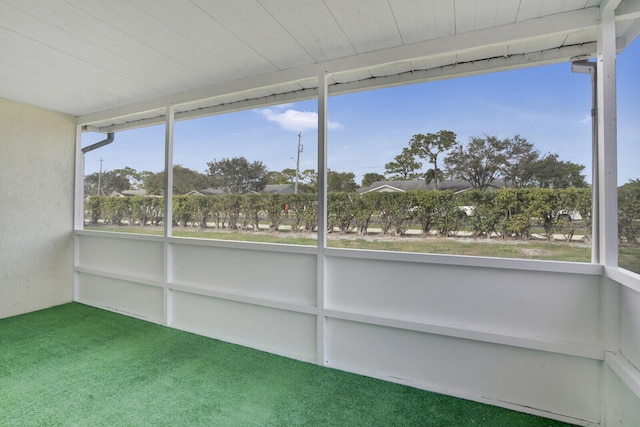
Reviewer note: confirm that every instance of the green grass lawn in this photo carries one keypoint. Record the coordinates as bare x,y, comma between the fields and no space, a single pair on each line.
557,251
629,258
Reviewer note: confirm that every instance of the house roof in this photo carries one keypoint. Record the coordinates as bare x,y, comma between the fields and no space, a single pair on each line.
455,185
278,189
408,185
270,188
129,193
211,192
119,63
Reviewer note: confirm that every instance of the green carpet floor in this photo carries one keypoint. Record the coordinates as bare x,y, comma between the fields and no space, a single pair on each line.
75,365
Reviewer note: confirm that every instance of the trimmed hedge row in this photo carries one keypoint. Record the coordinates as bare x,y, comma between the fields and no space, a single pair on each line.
512,213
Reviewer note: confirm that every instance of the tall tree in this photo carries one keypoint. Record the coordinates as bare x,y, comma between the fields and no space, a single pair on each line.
430,146
286,176
237,175
370,178
434,176
184,180
629,213
480,162
341,181
308,181
107,182
521,159
404,166
549,172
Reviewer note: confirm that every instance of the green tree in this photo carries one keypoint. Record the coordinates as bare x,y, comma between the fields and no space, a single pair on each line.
521,161
237,175
480,162
153,183
91,184
117,180
341,181
629,212
429,147
308,181
404,166
184,181
286,176
434,176
370,178
549,172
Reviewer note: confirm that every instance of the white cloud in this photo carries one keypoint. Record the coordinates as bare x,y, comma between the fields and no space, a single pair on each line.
294,120
586,119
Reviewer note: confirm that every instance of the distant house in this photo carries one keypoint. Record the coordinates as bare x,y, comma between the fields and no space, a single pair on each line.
394,186
455,185
207,192
278,189
270,189
129,193
194,193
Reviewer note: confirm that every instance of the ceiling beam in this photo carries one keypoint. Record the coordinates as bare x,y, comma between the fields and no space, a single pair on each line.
451,70
508,62
609,4
629,9
224,107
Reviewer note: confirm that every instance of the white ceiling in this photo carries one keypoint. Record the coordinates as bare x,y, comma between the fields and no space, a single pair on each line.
97,58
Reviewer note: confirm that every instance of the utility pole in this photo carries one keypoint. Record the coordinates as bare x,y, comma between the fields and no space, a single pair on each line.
100,178
300,147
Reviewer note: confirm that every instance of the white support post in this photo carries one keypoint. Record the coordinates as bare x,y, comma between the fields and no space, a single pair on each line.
595,169
168,170
168,211
78,219
78,207
607,194
607,141
322,217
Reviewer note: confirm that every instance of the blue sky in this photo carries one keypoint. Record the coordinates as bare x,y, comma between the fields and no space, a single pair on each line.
549,106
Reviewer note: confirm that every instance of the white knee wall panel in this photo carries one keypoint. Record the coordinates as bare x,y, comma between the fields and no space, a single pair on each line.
558,307
287,333
284,276
124,296
566,387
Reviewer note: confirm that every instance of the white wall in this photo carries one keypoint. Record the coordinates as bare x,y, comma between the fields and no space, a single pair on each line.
622,373
37,157
520,334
